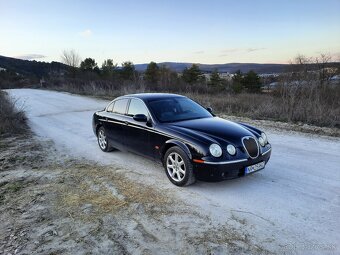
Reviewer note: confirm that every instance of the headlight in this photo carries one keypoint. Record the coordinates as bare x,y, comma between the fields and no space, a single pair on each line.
215,150
264,137
231,149
261,141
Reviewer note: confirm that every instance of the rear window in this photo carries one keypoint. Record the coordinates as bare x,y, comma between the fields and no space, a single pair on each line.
120,106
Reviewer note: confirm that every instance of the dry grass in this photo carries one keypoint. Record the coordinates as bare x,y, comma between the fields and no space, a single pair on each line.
106,191
238,243
104,200
309,105
21,151
12,120
320,110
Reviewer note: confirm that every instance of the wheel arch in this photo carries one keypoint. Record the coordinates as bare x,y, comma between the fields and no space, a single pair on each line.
173,142
98,126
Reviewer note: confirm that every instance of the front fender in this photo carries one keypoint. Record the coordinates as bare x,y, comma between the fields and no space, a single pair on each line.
250,128
180,144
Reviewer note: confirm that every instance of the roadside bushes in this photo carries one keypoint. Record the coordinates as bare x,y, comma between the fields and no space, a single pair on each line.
307,104
10,79
12,120
317,106
310,103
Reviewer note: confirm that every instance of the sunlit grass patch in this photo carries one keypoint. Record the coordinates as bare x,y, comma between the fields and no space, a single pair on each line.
96,190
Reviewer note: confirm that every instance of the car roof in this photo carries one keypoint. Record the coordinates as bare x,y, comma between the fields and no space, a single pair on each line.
152,96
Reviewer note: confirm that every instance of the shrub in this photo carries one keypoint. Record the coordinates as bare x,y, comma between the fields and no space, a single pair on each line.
12,120
307,103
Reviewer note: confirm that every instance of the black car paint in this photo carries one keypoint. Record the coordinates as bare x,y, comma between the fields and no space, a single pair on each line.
152,139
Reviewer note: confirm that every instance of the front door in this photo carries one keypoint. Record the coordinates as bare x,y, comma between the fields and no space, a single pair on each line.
137,133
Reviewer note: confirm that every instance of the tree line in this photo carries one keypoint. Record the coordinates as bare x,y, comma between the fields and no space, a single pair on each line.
160,77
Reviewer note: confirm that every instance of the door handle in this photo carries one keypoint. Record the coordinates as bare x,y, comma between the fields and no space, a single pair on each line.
126,123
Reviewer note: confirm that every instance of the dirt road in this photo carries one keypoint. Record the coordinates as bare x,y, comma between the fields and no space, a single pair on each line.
291,206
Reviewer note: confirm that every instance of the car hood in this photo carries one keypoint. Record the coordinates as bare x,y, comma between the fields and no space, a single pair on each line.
218,129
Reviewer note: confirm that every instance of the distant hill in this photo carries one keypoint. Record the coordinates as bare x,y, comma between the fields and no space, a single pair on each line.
31,68
40,69
44,69
223,68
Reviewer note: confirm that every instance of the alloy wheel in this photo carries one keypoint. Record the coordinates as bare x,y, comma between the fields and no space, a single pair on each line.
175,166
102,139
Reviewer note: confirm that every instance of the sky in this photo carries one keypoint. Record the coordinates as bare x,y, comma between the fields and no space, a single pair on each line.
210,32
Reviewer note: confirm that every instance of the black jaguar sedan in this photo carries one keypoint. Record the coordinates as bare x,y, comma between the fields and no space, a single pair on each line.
191,142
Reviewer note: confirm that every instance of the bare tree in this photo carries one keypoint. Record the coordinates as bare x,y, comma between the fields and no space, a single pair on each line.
306,90
296,84
326,72
72,59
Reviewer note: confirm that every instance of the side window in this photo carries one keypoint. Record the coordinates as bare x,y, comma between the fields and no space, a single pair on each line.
120,106
110,107
137,107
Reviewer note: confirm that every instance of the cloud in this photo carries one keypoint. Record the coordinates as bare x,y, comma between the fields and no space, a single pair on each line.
30,56
254,49
231,50
85,33
227,52
199,52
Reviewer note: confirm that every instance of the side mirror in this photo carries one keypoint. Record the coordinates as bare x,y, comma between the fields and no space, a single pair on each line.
140,118
209,109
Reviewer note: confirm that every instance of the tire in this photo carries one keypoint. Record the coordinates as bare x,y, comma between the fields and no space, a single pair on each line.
178,167
103,141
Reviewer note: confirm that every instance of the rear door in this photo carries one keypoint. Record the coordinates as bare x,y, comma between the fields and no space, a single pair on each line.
115,123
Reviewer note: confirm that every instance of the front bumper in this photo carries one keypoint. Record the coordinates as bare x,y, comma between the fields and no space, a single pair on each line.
218,171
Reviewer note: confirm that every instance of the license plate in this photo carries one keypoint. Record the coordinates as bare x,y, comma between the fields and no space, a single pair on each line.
254,168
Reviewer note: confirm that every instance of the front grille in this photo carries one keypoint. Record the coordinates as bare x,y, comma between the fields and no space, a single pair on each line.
251,147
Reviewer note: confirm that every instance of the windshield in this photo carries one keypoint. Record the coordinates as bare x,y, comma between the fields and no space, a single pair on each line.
177,109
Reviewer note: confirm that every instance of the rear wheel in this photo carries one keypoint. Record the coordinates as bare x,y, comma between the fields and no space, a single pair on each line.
178,167
103,141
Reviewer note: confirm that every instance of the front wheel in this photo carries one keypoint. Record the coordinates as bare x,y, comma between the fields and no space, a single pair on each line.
178,167
102,140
